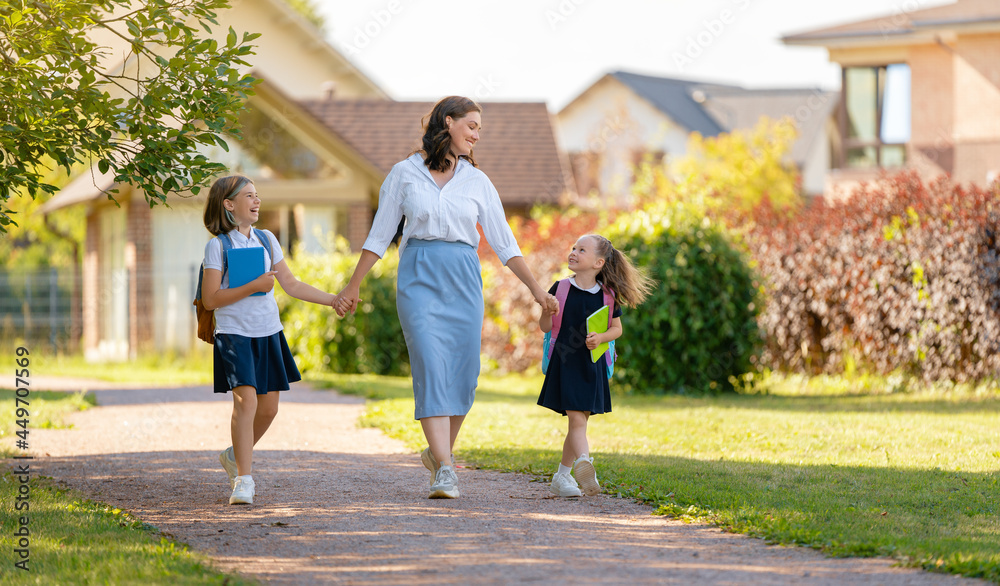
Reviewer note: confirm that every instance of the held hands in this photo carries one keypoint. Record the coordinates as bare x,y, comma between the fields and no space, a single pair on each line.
549,303
346,301
264,283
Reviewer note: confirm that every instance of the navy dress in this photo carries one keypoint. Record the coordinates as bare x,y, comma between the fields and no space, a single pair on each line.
574,382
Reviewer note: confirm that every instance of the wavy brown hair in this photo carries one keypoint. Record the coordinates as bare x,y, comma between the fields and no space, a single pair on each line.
630,285
437,140
217,221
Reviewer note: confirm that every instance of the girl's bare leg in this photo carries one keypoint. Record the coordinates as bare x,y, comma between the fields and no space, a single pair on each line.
576,443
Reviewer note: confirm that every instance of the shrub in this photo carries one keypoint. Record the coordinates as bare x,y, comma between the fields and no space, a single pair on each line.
368,342
901,276
697,332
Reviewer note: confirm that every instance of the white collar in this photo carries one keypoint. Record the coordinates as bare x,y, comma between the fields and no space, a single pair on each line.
595,289
235,233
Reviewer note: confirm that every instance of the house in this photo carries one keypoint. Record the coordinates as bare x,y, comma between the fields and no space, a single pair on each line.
318,174
625,117
920,90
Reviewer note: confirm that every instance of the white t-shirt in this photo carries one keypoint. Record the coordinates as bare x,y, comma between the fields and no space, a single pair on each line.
254,316
433,213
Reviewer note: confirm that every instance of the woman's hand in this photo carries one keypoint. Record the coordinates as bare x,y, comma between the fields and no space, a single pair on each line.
346,301
549,303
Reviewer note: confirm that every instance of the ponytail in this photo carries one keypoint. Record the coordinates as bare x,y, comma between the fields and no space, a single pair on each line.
630,285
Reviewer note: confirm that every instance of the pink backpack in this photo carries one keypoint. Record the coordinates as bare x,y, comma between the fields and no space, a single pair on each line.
549,344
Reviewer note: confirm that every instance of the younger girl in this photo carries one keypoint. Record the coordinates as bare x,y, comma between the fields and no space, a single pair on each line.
252,358
575,385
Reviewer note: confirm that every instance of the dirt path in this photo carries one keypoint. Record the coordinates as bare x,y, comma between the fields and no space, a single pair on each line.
339,504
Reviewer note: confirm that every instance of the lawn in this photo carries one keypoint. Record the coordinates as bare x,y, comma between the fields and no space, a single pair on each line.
73,540
846,468
165,369
76,541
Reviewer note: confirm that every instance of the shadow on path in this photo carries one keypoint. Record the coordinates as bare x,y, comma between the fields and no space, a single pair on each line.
338,503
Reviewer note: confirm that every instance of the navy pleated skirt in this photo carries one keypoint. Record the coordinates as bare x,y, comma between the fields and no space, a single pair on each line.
265,364
439,299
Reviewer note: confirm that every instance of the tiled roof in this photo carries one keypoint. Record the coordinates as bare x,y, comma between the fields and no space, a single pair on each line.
900,23
517,147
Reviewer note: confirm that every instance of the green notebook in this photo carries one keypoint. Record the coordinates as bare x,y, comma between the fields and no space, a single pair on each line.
598,323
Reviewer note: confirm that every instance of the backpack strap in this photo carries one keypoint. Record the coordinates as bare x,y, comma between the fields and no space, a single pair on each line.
227,244
264,240
562,292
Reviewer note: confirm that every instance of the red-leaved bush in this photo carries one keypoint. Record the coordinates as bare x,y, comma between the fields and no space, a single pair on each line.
510,330
901,276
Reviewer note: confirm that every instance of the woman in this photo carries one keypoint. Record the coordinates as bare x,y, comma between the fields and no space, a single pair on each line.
439,289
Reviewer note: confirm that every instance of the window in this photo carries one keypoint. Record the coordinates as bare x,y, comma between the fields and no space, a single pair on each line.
875,121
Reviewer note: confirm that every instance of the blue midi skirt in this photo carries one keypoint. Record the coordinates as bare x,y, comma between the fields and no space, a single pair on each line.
439,299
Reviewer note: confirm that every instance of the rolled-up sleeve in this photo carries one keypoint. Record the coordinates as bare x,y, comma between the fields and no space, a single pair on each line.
495,226
388,215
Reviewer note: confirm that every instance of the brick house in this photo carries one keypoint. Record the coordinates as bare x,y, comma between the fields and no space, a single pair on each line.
625,118
317,175
920,90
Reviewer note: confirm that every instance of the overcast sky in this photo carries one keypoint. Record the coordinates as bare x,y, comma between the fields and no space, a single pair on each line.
551,50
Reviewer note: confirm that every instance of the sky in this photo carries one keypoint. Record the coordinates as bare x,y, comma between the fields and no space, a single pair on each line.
552,50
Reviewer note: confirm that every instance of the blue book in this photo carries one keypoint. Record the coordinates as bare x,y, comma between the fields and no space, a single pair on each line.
244,265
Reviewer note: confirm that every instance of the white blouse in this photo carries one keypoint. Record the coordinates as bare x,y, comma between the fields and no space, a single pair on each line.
432,213
253,317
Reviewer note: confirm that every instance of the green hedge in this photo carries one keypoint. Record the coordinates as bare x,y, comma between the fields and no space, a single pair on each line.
368,342
697,333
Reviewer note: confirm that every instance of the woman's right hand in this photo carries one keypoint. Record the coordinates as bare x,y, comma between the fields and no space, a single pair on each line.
264,283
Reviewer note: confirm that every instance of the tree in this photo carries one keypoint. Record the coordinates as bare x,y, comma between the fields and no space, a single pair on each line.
131,86
731,173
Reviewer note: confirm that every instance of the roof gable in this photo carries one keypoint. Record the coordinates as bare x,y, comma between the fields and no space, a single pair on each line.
675,98
713,108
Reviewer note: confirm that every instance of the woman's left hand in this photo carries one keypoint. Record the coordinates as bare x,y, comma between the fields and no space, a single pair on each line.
549,303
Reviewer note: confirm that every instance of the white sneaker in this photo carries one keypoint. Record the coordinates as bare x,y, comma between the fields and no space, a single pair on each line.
583,471
431,463
564,485
445,484
228,460
243,491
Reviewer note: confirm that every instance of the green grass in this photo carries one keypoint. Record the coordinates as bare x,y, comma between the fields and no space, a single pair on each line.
166,369
73,540
843,466
45,411
77,541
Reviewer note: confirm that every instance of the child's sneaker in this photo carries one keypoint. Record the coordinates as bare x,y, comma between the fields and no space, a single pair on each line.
564,485
583,471
243,491
228,460
445,484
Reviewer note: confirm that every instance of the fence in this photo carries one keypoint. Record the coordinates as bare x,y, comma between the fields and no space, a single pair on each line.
36,306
